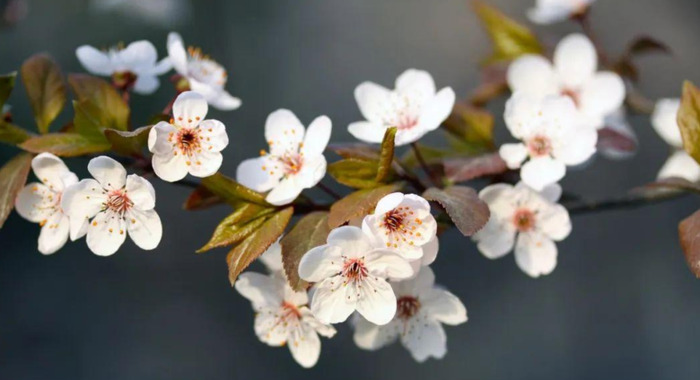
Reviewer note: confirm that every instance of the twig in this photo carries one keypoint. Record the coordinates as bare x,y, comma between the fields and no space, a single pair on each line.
419,156
631,200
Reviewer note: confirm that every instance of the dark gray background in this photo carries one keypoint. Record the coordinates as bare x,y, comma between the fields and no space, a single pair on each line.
621,303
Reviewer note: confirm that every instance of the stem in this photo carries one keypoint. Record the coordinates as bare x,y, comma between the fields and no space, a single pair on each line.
431,175
632,200
328,191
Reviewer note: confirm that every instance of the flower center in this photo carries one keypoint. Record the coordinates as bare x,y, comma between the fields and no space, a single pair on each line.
188,141
407,307
573,95
123,80
118,202
397,224
354,270
290,311
292,163
524,220
539,146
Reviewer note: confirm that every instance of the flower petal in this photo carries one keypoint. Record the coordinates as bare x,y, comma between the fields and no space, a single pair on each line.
32,202
372,99
535,254
51,171
170,167
417,84
513,154
81,202
163,66
664,121
436,110
272,258
223,101
106,233
368,131
320,263
551,193
268,327
146,84
283,132
139,56
317,136
145,228
255,173
205,164
602,95
548,14
444,307
386,263
189,109
305,345
533,74
430,251
494,240
331,303
108,172
159,136
260,290
213,134
542,171
425,339
177,53
554,222
575,60
54,234
327,331
312,171
680,165
376,300
577,145
95,61
286,191
369,336
141,192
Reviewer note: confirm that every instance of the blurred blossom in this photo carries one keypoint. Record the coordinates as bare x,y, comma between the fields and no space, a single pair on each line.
680,164
165,13
551,11
617,139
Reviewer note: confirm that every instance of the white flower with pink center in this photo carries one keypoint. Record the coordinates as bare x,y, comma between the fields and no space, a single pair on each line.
112,206
282,316
551,136
526,219
188,143
295,161
135,65
664,121
413,107
421,309
596,94
551,11
403,223
351,274
41,202
203,74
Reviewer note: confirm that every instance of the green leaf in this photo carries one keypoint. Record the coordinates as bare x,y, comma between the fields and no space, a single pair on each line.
510,38
357,204
12,178
128,143
309,232
232,191
237,226
201,198
386,158
7,83
87,119
256,243
468,212
45,88
473,128
689,235
64,144
12,134
105,104
355,173
689,120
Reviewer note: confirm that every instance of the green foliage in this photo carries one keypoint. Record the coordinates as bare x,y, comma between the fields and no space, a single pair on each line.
467,211
231,191
101,101
386,158
358,204
472,127
45,88
65,144
128,143
689,120
12,134
257,242
247,218
310,231
363,169
510,38
13,175
7,83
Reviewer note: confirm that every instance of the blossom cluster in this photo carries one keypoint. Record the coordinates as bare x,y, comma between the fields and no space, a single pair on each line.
372,267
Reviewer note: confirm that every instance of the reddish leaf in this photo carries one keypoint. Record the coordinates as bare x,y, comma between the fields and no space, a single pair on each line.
357,204
201,198
468,212
309,232
12,178
689,234
611,140
464,169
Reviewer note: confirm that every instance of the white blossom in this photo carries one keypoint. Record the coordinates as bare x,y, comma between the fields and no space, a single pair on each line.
295,161
551,11
137,62
551,138
664,121
414,107
41,202
282,316
161,12
110,206
620,147
350,274
596,94
403,223
204,75
526,219
421,309
272,258
188,143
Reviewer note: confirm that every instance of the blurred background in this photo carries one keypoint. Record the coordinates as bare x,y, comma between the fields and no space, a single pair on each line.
621,303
